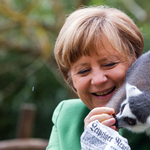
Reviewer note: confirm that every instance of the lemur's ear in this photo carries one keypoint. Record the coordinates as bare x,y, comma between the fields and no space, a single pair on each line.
132,90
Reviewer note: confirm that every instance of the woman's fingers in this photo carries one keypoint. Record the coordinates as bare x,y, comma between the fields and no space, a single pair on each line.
98,111
109,122
101,110
102,114
101,118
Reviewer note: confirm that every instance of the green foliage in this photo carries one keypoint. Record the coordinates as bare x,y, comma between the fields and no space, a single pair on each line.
31,82
28,71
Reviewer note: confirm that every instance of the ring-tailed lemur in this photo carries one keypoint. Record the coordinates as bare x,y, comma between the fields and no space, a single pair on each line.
132,100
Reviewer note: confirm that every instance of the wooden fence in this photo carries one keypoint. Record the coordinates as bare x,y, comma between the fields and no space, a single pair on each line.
24,140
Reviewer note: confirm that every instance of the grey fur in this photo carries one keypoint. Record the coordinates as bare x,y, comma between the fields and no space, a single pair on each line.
140,106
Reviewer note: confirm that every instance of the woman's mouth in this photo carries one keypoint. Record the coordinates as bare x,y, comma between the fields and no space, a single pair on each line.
105,92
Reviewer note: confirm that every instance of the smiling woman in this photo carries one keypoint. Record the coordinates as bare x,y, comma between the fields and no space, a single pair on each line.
98,75
94,49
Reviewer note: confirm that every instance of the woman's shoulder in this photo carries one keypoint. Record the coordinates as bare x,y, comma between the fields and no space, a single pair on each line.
71,104
70,108
68,119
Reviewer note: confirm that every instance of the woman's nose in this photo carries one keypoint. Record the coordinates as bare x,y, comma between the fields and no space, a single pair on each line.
98,78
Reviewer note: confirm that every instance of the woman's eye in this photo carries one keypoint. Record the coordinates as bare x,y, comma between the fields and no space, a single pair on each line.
110,64
83,71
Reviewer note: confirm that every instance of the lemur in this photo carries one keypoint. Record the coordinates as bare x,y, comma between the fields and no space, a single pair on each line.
132,100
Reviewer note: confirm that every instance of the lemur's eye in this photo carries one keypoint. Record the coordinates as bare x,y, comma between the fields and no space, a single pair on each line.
130,121
122,108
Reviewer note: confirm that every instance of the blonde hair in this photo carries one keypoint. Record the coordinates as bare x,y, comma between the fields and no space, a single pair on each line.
88,26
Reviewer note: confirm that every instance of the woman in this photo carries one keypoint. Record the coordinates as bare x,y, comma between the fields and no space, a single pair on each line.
94,49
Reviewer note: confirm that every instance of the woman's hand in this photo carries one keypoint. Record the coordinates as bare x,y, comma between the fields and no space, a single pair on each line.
103,115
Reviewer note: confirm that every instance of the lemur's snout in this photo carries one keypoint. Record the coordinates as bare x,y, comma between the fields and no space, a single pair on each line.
116,123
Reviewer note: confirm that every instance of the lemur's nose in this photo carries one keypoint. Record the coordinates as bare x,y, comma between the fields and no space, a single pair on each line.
116,123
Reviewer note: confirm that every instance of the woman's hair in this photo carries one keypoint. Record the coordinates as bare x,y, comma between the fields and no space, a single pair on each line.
88,26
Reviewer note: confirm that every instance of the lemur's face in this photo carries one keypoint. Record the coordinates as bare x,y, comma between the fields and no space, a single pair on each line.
125,118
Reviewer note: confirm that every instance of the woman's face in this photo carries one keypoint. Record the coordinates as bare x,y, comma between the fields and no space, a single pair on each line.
98,76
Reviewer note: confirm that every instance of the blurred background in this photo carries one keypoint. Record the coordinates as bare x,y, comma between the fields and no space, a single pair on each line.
28,71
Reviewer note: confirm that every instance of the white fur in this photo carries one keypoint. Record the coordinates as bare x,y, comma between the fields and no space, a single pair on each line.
127,112
148,120
148,130
132,90
138,128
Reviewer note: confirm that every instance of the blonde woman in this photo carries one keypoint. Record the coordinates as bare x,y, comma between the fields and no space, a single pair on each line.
94,49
